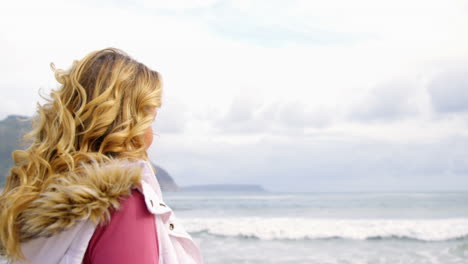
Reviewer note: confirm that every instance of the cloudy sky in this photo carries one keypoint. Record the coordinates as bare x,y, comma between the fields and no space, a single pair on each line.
294,95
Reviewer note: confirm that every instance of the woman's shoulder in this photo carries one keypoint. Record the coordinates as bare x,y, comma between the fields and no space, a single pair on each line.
129,237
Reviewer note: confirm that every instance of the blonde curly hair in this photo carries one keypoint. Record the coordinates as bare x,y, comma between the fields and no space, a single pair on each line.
100,112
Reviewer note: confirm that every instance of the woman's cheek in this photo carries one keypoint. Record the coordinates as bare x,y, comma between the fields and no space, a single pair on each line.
148,137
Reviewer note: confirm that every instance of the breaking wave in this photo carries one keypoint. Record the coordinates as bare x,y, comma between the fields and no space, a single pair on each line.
311,229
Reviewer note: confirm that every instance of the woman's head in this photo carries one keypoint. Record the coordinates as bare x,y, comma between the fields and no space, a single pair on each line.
102,110
108,97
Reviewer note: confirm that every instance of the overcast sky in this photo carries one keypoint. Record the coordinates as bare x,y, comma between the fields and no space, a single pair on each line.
330,95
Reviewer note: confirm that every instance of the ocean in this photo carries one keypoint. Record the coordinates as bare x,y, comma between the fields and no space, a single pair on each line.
328,228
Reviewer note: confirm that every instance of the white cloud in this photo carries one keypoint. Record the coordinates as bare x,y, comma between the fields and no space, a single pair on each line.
171,118
449,91
390,101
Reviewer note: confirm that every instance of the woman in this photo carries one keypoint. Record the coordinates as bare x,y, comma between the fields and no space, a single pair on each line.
84,192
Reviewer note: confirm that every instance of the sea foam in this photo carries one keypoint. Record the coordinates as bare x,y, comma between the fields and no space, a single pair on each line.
358,229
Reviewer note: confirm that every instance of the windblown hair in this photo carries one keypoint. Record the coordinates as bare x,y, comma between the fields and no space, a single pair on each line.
99,113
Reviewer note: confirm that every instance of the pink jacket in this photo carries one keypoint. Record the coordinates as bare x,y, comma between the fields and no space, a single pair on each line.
129,237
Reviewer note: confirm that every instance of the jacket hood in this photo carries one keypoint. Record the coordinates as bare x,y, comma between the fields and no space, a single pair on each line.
91,194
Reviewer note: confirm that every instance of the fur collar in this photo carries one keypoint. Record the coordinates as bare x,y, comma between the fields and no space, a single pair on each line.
92,194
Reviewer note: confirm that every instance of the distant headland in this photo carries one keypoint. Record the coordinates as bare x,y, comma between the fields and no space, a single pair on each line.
223,188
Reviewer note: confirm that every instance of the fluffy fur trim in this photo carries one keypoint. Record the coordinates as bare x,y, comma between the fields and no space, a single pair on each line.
91,194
